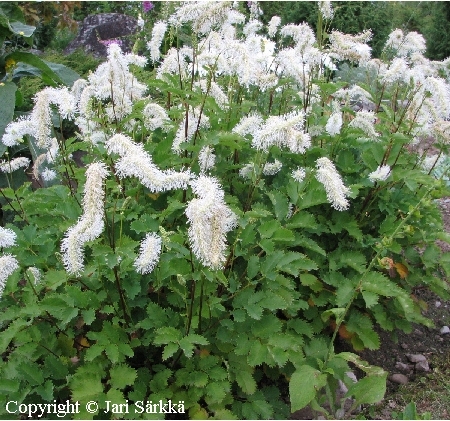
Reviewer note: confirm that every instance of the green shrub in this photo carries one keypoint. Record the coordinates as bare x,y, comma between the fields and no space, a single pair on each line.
229,218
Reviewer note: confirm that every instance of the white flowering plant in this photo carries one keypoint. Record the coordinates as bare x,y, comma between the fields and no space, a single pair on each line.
227,224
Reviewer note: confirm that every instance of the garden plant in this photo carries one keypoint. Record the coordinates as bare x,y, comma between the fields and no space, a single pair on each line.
207,234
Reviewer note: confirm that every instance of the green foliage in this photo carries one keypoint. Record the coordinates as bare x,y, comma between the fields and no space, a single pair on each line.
229,340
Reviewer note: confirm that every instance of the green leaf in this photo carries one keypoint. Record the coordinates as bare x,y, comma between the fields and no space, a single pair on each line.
35,61
8,101
368,390
304,386
122,376
246,382
169,350
363,327
20,28
280,204
164,335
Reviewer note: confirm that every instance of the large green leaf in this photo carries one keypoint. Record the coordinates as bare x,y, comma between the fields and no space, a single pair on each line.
305,383
20,28
370,389
8,102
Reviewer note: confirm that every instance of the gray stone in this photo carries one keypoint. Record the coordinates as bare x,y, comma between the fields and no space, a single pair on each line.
415,358
422,366
405,368
437,304
399,378
103,27
444,330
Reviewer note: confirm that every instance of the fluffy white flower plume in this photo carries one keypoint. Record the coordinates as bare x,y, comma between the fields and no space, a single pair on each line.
326,9
350,47
334,124
48,174
273,26
114,84
271,168
247,170
154,44
90,225
155,117
14,164
248,125
7,237
381,173
16,130
136,162
336,191
285,130
403,45
298,174
182,135
149,253
365,121
215,91
209,221
206,158
8,264
440,95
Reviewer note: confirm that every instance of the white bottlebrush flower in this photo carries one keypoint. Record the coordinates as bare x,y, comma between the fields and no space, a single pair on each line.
8,264
336,191
16,130
298,174
440,95
209,221
182,135
90,225
136,162
215,91
206,158
271,168
365,121
334,124
35,274
326,10
52,151
248,125
48,174
14,164
397,71
149,254
247,170
155,117
350,47
154,44
403,45
273,26
285,130
7,237
381,173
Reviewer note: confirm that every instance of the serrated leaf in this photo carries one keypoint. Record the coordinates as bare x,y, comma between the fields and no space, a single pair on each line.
169,350
122,376
167,334
370,298
304,386
246,382
363,327
257,354
368,390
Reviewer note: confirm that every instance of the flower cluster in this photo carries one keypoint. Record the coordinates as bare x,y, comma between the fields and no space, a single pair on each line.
336,191
209,221
90,225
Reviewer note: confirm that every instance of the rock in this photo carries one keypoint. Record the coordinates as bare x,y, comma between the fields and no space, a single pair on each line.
437,304
415,358
399,378
404,345
422,366
406,368
98,30
444,330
